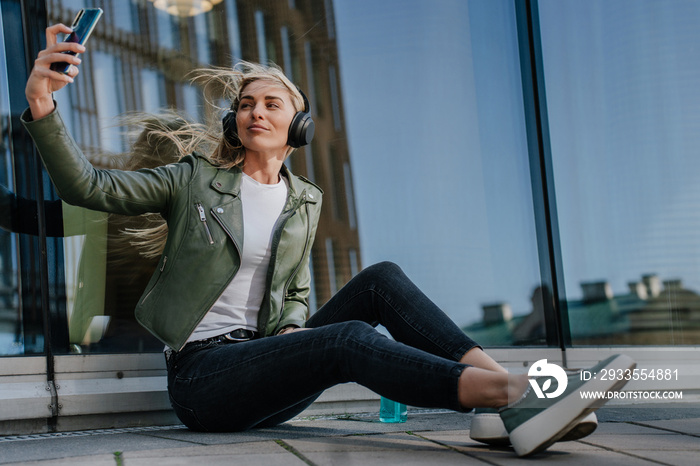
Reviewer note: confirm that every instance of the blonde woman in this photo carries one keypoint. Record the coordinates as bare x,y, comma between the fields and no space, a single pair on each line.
229,296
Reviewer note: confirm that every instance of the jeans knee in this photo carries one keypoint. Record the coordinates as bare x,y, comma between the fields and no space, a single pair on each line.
382,271
356,328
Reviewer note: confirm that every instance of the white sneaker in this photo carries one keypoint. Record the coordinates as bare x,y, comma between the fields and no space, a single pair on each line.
487,427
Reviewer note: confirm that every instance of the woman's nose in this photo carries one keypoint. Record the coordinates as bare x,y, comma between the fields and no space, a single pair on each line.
257,113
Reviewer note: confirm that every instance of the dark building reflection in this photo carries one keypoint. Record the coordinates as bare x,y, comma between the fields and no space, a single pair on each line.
653,312
139,59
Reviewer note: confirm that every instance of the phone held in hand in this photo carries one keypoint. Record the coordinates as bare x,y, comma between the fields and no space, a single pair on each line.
83,25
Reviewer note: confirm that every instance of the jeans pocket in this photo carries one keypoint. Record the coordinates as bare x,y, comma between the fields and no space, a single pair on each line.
187,416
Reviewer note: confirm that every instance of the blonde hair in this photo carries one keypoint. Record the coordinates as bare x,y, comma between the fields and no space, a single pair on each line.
168,136
158,139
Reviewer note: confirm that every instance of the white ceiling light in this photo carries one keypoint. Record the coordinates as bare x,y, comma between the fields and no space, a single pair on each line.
185,8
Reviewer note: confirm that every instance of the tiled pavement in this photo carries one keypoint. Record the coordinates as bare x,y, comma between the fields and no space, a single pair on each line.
625,436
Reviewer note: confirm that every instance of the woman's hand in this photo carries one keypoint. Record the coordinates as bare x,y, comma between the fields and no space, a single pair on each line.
43,81
292,329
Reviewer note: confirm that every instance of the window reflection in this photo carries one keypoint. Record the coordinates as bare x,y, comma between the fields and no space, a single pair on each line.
138,60
622,95
11,332
439,156
431,170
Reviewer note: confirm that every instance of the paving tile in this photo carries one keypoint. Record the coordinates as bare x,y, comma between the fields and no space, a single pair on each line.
390,442
687,426
292,429
386,458
386,449
231,450
638,443
627,429
64,447
569,453
94,460
461,441
258,453
676,458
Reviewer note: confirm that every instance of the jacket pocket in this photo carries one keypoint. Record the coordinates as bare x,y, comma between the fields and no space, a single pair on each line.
156,280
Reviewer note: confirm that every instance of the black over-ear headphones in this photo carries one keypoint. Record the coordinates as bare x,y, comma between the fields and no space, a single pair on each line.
301,130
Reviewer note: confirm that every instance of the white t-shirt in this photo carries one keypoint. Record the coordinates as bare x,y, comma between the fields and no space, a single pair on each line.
239,304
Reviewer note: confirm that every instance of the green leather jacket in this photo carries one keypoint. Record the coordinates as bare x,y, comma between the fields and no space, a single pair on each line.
202,206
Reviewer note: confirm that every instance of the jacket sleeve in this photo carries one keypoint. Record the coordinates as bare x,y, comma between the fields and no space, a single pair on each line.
79,183
296,308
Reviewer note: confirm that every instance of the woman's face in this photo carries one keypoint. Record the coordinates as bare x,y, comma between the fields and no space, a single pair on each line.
265,112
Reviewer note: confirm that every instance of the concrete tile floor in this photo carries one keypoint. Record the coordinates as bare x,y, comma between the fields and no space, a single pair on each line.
657,436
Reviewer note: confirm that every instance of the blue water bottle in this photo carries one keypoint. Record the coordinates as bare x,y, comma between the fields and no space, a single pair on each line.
392,411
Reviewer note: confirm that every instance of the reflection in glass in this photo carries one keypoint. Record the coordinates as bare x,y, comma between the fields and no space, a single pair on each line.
11,335
433,102
144,65
622,94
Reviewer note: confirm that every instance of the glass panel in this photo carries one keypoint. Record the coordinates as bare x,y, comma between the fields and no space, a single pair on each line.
104,274
433,105
624,117
11,334
427,96
138,60
21,255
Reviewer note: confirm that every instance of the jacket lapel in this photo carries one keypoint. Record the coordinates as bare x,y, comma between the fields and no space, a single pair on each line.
229,213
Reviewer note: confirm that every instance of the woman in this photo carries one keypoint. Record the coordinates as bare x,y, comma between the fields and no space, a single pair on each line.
229,297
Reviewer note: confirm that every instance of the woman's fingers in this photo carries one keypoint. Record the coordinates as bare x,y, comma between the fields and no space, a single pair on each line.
41,72
46,59
73,71
73,47
53,31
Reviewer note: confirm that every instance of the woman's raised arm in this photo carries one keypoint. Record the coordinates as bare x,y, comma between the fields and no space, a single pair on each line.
43,81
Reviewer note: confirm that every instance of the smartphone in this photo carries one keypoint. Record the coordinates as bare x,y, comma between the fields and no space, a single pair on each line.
83,25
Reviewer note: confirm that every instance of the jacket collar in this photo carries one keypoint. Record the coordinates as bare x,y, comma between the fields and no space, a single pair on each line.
229,182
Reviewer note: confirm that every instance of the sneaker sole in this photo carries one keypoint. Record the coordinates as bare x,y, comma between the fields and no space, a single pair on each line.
557,420
488,428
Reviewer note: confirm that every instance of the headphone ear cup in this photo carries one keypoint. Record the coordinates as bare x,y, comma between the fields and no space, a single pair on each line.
301,130
230,129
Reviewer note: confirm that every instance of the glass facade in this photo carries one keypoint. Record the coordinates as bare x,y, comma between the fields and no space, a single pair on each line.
424,147
139,60
622,95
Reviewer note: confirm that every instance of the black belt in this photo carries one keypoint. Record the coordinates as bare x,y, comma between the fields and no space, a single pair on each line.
235,336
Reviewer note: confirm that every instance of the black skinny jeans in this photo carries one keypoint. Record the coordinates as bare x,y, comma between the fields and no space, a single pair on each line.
259,383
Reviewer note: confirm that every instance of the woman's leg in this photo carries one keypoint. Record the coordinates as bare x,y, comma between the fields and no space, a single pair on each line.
383,294
234,387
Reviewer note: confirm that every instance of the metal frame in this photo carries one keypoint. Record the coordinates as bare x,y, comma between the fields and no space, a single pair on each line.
541,173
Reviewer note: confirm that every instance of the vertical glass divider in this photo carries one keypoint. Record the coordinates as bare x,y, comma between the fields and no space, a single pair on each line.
35,12
544,199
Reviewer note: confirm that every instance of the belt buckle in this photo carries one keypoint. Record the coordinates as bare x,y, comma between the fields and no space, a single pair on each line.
230,337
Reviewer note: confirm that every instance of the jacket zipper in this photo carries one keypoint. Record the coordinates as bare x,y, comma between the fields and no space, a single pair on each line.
306,247
203,219
161,268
